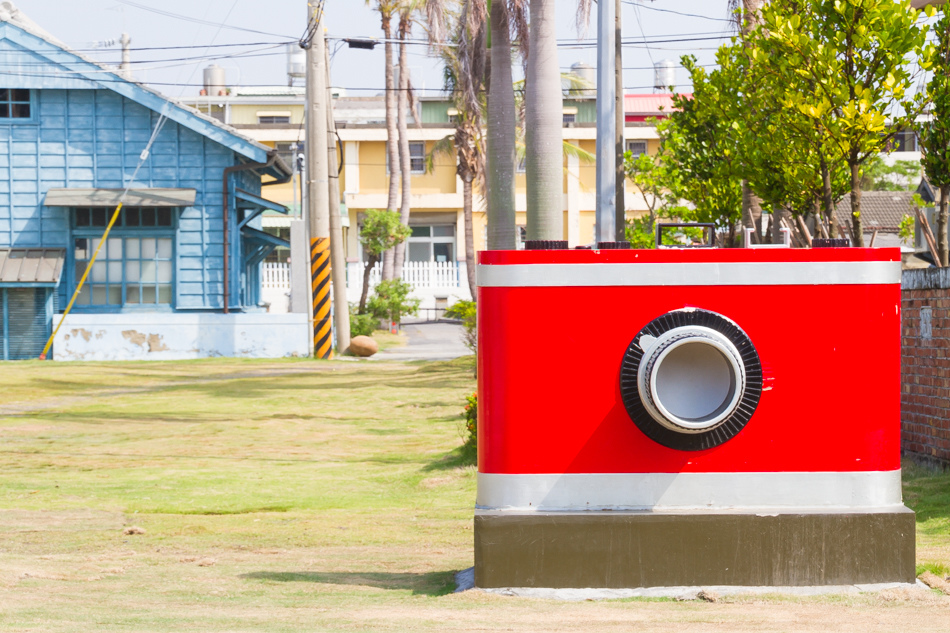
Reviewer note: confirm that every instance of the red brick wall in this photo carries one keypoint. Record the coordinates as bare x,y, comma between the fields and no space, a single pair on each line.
925,365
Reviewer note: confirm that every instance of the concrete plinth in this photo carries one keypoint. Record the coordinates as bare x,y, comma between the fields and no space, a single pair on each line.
691,548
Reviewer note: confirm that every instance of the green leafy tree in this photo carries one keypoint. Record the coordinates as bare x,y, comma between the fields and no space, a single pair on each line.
848,65
935,133
381,231
391,300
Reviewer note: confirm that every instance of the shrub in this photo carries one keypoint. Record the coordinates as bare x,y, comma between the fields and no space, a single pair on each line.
465,310
361,324
471,421
391,301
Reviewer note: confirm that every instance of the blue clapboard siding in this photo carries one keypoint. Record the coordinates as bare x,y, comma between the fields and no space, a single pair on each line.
93,138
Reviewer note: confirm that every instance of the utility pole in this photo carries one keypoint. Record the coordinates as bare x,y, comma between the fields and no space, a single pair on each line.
621,176
317,188
125,69
605,227
341,315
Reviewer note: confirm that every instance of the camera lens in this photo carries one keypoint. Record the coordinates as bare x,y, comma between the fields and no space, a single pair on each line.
691,379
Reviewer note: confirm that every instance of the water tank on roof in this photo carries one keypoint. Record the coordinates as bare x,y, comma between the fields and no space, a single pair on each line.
664,75
296,63
587,74
215,81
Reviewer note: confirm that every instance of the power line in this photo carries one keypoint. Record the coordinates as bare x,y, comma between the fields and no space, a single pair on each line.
186,18
689,15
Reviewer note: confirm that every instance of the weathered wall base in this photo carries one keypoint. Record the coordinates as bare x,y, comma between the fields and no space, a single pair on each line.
178,336
640,549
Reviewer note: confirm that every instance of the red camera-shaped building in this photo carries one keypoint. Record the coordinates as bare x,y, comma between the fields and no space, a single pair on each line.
690,417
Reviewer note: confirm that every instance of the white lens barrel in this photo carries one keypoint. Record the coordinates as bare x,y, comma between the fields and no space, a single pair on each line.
690,379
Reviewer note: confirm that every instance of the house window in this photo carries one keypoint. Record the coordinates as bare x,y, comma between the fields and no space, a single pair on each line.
417,157
432,243
569,117
135,266
637,148
273,119
289,151
905,141
15,103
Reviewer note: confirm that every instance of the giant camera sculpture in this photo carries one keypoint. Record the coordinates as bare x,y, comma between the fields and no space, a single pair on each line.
690,417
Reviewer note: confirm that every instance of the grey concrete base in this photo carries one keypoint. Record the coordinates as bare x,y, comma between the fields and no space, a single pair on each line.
613,550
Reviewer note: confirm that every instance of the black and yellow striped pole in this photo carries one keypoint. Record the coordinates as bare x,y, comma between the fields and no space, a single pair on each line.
320,287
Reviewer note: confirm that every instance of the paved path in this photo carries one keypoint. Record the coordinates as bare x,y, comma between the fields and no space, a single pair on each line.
428,341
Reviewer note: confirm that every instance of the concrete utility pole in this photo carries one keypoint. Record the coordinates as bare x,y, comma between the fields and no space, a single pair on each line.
125,69
341,315
621,203
605,227
317,190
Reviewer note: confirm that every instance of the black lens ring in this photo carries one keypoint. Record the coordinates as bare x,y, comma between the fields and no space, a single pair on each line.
729,427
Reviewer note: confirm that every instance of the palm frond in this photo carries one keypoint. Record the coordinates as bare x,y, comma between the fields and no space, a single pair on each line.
581,154
582,19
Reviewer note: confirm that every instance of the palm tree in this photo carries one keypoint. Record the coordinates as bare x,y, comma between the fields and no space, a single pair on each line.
501,124
465,66
543,125
435,27
386,9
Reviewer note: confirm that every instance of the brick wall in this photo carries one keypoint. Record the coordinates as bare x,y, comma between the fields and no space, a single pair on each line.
925,365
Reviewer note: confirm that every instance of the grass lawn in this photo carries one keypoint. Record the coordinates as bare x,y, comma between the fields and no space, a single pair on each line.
297,495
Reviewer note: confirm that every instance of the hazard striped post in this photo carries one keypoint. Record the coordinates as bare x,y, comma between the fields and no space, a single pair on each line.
320,285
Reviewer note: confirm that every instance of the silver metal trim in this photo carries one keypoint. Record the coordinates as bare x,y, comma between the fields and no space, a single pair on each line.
690,274
679,491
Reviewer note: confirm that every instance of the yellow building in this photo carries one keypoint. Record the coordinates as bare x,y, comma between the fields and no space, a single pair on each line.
275,117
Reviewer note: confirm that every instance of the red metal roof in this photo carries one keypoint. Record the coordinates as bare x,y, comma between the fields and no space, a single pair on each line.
648,105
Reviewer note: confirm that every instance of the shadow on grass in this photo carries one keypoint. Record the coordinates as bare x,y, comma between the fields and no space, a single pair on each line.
927,492
465,455
438,583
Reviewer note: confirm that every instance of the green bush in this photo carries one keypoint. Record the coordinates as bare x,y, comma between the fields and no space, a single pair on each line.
362,324
471,421
391,301
465,310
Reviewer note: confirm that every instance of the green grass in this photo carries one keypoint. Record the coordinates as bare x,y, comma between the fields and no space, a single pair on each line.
279,496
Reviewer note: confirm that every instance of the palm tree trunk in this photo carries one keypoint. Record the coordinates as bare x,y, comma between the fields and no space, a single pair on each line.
391,133
544,156
366,273
942,251
404,163
501,136
621,175
469,232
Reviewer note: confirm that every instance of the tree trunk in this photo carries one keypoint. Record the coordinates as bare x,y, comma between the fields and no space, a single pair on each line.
942,226
469,233
779,214
856,202
751,212
405,25
366,273
828,199
544,153
392,150
501,136
621,175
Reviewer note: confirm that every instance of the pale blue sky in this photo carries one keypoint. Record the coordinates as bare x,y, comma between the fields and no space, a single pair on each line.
79,23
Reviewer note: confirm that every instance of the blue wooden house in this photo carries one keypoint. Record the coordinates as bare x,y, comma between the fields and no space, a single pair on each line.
179,275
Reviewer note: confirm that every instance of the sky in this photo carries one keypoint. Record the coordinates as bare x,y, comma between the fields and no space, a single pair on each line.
173,40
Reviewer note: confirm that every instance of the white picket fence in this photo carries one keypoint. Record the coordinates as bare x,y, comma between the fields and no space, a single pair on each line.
429,280
420,275
276,276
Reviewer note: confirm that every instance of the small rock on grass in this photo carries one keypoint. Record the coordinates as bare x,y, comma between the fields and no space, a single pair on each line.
206,562
133,529
708,596
935,582
363,346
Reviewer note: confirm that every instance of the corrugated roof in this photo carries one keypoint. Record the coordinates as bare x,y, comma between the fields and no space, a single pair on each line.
659,103
60,197
880,210
11,14
31,265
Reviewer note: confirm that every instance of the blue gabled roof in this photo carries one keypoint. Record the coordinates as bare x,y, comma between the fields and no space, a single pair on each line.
32,58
